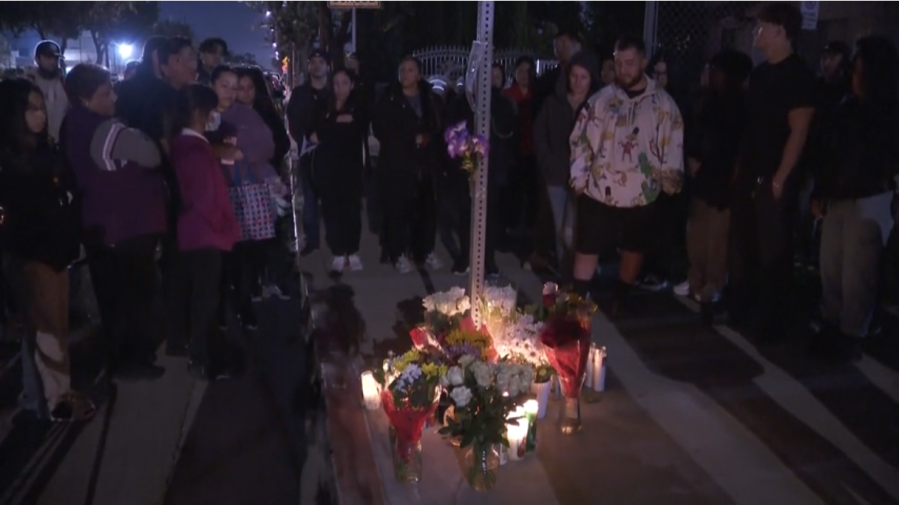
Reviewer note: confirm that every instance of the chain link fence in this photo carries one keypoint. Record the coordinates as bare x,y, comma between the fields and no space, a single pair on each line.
687,34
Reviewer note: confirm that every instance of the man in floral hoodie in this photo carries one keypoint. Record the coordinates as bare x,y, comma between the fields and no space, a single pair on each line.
626,160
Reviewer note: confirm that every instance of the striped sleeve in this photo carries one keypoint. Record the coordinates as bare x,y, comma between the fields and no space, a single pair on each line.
114,144
103,143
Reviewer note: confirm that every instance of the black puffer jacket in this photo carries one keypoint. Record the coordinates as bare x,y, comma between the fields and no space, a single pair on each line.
395,124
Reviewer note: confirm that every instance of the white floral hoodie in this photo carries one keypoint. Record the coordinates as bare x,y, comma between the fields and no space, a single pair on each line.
625,151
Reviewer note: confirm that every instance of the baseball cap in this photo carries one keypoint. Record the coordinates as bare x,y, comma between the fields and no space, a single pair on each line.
318,53
47,48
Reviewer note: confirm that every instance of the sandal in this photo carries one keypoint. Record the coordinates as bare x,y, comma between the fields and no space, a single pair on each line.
73,407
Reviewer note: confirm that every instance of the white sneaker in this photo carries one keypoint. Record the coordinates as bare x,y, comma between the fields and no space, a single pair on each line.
682,289
403,265
355,263
433,262
273,290
338,264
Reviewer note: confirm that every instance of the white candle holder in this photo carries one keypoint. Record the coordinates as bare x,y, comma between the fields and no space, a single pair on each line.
517,433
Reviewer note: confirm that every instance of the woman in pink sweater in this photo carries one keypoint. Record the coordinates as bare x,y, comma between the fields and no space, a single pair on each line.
207,229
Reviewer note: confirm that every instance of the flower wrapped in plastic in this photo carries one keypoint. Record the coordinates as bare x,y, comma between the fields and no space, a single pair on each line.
460,143
445,310
410,393
482,394
566,336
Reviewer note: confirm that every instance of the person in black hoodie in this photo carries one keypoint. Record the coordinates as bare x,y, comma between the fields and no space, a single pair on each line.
552,130
340,130
304,101
502,155
857,186
408,123
40,238
711,147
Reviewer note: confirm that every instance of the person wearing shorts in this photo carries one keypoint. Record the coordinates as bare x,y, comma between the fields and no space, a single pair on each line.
627,154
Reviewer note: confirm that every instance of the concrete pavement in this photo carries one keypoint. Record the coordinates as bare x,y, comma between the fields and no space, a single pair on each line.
692,415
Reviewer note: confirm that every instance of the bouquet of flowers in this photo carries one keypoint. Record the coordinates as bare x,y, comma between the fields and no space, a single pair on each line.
521,344
460,143
410,386
468,342
566,335
483,396
498,310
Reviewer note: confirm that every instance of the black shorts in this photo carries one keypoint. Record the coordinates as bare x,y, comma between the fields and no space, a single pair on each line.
601,228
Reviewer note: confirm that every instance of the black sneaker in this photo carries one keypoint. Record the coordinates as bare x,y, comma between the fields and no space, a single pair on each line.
652,283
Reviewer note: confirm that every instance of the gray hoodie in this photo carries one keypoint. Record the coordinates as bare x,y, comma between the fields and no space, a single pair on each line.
554,123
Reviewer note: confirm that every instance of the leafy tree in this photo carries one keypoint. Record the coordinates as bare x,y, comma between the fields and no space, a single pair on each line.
173,28
51,20
109,22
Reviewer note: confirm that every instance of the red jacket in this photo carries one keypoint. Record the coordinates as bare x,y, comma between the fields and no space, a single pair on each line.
206,219
525,103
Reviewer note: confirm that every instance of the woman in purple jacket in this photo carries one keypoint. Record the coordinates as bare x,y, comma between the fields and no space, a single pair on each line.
245,128
123,208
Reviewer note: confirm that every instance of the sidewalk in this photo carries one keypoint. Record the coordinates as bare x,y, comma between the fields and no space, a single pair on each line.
691,415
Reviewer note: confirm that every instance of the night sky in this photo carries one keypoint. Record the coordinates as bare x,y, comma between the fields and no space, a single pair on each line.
235,22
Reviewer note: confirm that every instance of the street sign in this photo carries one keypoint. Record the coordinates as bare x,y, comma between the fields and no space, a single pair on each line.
354,5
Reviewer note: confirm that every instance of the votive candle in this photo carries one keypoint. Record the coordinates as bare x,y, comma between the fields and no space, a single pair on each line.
530,411
371,391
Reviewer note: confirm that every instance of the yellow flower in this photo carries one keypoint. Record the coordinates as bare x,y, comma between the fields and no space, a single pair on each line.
473,338
400,363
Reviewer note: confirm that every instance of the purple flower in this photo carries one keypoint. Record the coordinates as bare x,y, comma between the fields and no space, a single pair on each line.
481,145
457,351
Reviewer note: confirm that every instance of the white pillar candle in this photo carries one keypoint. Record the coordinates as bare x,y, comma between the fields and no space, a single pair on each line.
371,391
517,432
599,371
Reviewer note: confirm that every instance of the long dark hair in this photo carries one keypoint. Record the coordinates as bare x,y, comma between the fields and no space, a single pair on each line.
332,97
193,99
262,99
15,137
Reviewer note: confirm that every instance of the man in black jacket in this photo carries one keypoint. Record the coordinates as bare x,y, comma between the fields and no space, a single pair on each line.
303,101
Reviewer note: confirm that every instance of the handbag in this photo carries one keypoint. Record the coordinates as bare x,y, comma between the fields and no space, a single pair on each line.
252,204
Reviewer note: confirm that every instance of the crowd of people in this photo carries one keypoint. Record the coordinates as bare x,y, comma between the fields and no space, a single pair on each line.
168,184
171,182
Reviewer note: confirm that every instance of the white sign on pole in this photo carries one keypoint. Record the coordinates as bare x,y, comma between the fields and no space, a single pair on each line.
809,15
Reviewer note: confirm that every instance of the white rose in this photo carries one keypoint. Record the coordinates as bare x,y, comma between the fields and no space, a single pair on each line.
465,360
482,374
461,396
455,376
444,382
514,386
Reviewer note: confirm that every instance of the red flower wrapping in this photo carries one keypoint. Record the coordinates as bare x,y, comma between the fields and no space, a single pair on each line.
408,423
566,344
422,338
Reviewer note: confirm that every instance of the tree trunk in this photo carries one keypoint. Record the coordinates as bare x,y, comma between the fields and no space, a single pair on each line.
325,27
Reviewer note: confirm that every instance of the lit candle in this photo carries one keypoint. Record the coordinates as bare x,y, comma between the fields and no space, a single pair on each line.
517,432
530,412
371,391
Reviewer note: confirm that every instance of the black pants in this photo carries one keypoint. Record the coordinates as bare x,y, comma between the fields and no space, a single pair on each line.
520,197
494,221
341,204
761,256
196,295
243,268
410,218
126,284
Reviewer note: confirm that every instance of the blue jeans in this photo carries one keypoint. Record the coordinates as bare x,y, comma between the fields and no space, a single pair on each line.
311,225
